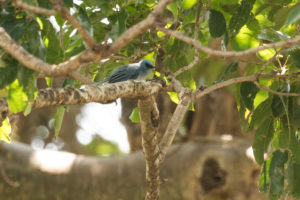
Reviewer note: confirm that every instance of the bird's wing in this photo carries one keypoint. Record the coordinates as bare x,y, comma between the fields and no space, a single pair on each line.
122,73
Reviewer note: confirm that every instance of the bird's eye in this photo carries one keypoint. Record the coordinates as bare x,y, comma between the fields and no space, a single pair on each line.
149,65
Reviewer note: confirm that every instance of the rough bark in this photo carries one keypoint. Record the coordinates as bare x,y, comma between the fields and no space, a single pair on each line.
201,169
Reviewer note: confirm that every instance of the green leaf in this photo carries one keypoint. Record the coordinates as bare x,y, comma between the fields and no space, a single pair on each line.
58,118
293,178
230,70
84,19
276,173
8,73
174,9
217,23
277,106
260,114
120,25
263,181
262,139
135,115
68,3
293,16
27,78
44,4
187,4
5,130
283,138
272,35
295,57
174,97
242,111
241,17
16,98
248,92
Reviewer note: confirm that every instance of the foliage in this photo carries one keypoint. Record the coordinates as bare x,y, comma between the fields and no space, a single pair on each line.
240,25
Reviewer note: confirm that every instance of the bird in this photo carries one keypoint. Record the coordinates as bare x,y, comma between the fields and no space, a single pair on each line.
131,71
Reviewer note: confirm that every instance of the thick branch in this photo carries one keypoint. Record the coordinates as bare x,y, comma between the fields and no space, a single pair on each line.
200,47
105,93
149,115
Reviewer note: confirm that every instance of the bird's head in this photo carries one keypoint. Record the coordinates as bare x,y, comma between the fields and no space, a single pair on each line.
147,63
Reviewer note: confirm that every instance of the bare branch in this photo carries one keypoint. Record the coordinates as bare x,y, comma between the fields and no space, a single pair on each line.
252,78
174,123
200,47
149,122
276,92
33,9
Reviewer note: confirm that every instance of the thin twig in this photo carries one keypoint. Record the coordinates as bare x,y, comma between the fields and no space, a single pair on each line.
33,9
200,47
275,92
252,78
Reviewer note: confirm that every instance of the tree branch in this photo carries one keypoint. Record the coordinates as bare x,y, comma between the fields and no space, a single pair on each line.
200,47
33,9
89,55
174,123
276,92
105,93
36,64
149,115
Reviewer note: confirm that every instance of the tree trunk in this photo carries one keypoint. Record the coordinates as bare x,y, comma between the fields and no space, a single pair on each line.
209,168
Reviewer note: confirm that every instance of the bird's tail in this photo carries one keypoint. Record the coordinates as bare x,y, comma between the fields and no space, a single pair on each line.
99,82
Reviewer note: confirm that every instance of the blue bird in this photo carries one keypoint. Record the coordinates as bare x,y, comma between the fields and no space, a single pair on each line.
132,71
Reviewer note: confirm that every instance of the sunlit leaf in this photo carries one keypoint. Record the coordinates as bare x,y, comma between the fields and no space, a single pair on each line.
174,97
135,115
5,131
187,4
17,98
240,17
